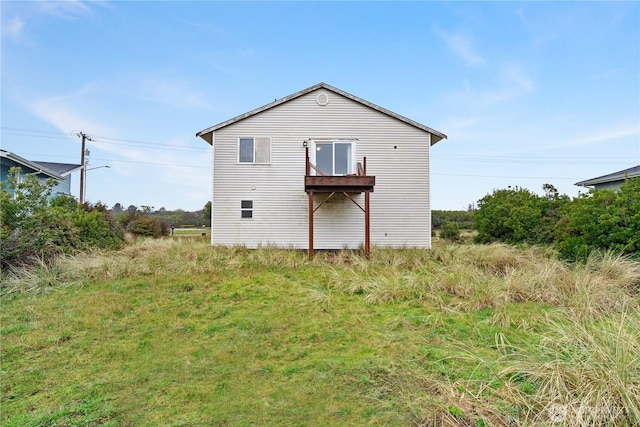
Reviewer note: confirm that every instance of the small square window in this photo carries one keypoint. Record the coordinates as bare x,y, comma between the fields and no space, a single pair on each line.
246,209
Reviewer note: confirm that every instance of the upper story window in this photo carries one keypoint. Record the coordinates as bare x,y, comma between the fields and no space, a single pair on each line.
335,157
254,150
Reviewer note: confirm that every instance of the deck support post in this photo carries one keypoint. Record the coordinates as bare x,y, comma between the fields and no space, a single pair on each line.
367,228
310,224
367,217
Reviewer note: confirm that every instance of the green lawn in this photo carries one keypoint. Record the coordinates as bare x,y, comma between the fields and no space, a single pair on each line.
183,334
192,231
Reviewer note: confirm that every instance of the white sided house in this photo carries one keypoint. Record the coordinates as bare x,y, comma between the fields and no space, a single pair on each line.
321,169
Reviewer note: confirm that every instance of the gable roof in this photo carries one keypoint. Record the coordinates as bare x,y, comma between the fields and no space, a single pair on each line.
632,172
204,134
31,165
62,169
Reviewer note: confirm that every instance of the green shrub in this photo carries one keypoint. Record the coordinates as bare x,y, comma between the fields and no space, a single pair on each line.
518,216
451,231
145,226
94,230
601,220
34,228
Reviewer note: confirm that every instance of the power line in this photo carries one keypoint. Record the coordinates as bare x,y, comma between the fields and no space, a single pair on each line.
504,176
105,159
527,157
38,131
168,147
35,133
37,136
107,139
573,160
150,163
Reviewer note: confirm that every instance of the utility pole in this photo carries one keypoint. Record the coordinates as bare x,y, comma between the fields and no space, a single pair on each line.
84,137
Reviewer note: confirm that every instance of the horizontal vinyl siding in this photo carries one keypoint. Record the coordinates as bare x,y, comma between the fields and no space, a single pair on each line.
399,203
63,186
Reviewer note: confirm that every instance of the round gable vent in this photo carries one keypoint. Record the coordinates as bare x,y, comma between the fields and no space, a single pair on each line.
322,99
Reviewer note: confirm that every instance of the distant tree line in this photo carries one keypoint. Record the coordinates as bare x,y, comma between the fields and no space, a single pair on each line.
450,223
177,218
463,219
144,221
606,220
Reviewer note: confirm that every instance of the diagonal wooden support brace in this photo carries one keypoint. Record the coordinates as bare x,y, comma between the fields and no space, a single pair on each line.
354,202
325,200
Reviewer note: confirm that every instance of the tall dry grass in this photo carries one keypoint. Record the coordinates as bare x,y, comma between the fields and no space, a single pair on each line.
583,372
460,277
474,277
145,257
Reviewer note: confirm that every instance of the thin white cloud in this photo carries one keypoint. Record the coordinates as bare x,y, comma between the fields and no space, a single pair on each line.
170,91
59,112
605,135
131,165
192,23
511,82
25,13
612,74
13,28
70,114
461,45
68,9
522,15
518,79
460,126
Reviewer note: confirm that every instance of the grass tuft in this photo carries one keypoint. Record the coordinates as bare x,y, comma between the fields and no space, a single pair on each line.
583,372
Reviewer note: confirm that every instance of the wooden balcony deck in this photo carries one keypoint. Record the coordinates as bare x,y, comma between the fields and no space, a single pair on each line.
339,184
351,184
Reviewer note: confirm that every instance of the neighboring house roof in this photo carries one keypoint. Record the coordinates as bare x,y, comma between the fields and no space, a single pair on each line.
437,135
62,169
31,165
612,177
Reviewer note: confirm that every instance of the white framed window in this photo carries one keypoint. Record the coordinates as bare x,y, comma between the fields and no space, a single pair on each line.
335,157
246,209
254,150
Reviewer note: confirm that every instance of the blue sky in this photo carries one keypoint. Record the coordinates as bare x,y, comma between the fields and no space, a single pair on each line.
528,93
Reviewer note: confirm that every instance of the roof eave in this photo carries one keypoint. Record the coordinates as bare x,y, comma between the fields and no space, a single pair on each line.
62,169
69,172
616,176
36,167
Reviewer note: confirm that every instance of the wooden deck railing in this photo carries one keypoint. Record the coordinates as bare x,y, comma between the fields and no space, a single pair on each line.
323,183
